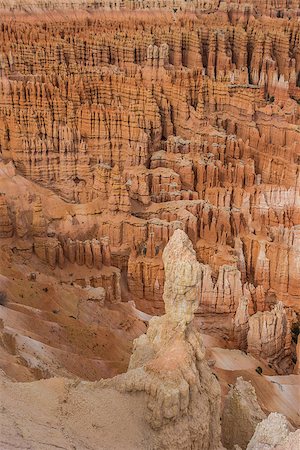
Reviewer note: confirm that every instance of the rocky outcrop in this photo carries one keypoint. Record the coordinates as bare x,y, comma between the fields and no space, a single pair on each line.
119,198
269,337
241,415
131,133
274,432
39,224
167,364
233,11
241,324
131,124
56,251
6,226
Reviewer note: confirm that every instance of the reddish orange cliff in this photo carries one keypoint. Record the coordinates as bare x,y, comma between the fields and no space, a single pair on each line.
119,127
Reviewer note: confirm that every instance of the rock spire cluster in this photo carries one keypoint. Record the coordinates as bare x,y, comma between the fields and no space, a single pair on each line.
149,166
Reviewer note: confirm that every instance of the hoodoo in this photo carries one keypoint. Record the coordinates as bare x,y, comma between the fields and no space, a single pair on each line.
149,224
168,380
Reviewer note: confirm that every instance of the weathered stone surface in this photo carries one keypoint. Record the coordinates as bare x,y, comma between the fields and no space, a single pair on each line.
39,224
274,432
241,414
123,126
183,396
269,337
6,227
241,324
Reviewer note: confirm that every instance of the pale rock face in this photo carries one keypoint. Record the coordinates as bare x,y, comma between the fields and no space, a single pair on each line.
241,414
269,336
241,324
274,432
182,279
183,396
291,442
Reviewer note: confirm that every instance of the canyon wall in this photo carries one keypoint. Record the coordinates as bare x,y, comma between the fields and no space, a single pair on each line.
119,127
150,224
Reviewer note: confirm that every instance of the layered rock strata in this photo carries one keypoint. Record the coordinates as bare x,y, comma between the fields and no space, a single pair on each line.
124,126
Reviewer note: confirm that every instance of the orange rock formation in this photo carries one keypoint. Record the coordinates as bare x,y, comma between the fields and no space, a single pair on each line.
120,124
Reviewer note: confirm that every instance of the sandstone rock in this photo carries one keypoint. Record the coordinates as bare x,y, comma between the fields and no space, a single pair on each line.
22,227
125,125
101,184
241,415
168,362
6,227
241,324
39,224
138,182
269,336
110,281
119,198
272,433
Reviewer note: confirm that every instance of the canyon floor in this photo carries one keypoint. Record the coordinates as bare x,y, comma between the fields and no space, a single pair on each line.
122,123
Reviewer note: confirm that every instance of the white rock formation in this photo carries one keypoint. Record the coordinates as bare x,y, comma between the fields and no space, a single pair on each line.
241,414
273,433
182,395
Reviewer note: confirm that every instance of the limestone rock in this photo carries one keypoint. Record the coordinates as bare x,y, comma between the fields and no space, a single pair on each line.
297,366
182,279
290,442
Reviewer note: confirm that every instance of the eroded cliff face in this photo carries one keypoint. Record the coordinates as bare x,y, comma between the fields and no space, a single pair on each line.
236,10
241,415
169,393
118,128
